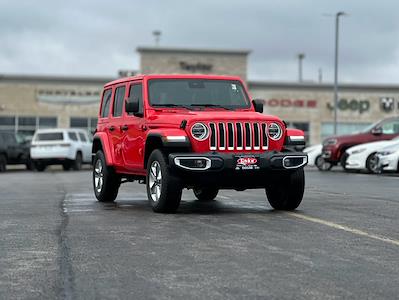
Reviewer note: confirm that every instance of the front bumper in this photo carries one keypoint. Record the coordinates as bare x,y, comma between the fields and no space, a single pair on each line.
234,170
355,162
387,162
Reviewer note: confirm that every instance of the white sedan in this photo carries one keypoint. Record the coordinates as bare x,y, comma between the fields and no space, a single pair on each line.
363,156
388,158
315,158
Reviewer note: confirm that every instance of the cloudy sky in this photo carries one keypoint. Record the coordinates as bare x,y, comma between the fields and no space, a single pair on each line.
97,38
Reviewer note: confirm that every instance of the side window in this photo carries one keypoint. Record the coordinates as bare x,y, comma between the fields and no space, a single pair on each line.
82,137
391,127
72,136
136,91
9,139
105,103
118,102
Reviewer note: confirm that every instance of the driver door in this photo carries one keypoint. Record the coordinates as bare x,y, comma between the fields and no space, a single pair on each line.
134,131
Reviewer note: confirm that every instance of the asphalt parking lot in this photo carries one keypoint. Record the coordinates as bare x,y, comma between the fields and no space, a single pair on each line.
57,242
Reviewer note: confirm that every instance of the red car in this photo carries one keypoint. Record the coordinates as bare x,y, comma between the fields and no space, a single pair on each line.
193,131
334,147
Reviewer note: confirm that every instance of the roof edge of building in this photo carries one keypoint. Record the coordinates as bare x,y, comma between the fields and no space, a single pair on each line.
314,85
141,49
54,79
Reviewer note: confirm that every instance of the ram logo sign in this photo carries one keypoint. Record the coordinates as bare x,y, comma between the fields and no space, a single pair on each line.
387,104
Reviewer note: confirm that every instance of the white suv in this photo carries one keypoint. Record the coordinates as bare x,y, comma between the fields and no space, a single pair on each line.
68,147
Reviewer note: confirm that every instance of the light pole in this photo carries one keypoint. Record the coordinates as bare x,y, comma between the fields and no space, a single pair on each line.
300,56
338,14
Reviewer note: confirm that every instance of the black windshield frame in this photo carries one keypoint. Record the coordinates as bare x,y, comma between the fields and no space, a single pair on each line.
245,102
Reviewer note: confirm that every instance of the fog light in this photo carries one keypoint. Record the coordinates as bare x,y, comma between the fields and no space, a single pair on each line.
193,163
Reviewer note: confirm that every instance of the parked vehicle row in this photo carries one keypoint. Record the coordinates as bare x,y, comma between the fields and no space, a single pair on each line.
374,150
67,147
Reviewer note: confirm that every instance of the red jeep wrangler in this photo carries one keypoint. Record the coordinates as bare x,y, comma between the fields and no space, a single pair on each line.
193,131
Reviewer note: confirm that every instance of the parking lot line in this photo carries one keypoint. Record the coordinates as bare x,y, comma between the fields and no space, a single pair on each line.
345,228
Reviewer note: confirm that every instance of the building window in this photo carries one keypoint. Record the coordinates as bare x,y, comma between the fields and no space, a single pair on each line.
26,125
327,129
304,126
88,124
47,122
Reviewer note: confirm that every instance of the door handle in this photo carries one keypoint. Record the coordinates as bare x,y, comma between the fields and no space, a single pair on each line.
111,128
124,127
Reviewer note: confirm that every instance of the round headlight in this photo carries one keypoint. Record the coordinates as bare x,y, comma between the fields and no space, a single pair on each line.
275,131
199,131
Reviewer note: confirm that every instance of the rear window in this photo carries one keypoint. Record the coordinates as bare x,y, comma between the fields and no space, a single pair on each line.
50,136
82,137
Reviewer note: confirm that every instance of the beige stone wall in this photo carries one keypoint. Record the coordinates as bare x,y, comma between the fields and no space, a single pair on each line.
22,100
167,62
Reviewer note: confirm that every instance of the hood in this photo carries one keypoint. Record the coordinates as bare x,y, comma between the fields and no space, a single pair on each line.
373,146
175,117
317,147
350,139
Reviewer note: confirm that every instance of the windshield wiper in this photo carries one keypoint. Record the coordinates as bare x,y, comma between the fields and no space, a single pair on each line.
171,105
209,105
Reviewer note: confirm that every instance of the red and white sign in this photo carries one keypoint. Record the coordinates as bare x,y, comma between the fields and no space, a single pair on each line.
305,103
247,161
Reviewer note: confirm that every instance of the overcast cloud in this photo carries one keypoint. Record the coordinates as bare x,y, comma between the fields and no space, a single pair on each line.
97,38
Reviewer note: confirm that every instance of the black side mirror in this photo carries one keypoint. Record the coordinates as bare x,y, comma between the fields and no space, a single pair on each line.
376,131
258,105
132,106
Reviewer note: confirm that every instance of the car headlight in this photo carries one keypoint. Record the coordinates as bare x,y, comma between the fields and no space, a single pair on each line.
329,142
382,153
275,132
357,151
200,131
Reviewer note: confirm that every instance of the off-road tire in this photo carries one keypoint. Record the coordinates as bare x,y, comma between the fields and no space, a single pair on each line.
169,187
370,164
3,163
110,180
285,192
205,194
77,163
322,164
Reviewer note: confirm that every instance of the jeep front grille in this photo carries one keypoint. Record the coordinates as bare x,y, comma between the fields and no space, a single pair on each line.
238,136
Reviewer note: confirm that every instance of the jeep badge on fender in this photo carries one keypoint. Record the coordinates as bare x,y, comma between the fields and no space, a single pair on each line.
200,132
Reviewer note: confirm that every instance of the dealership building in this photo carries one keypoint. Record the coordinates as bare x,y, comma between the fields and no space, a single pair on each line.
31,102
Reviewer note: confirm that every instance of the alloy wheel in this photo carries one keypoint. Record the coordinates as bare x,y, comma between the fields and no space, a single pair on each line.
155,181
98,176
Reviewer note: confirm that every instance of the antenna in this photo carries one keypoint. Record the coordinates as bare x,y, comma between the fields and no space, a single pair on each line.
157,35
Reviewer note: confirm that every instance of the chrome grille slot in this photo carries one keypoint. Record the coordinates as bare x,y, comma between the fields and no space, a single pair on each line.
264,137
256,137
213,137
248,136
230,136
222,136
238,136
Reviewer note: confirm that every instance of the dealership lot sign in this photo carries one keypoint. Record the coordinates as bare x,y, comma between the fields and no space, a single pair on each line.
354,105
298,103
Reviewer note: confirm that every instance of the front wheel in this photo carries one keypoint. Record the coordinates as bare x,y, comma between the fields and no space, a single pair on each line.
206,194
163,190
343,160
285,192
105,182
322,164
372,164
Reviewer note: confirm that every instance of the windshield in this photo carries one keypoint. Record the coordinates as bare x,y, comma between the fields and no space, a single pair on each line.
191,93
368,128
